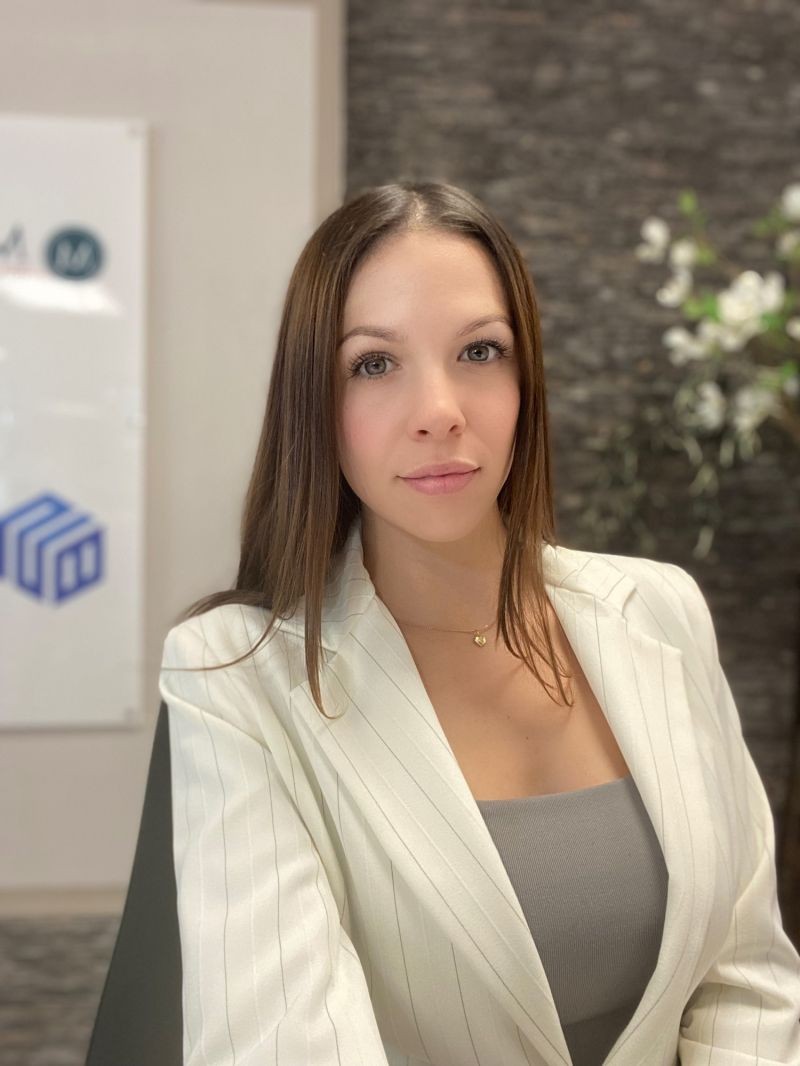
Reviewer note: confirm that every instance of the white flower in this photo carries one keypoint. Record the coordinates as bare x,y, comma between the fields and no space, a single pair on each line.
655,231
656,238
792,386
716,335
745,300
710,408
683,253
793,328
728,338
751,405
790,201
705,408
675,291
686,345
773,292
787,242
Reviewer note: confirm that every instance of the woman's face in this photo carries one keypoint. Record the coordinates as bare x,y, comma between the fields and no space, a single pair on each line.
432,393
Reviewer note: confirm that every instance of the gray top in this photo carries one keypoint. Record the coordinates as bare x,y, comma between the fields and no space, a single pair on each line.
590,877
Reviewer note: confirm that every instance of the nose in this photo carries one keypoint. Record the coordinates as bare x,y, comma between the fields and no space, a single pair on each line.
436,407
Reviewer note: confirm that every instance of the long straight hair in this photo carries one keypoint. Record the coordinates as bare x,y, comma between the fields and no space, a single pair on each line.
298,509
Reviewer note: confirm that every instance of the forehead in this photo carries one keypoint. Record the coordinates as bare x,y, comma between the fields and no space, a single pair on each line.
411,272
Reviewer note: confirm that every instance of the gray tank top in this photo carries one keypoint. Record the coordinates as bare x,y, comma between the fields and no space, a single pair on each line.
590,877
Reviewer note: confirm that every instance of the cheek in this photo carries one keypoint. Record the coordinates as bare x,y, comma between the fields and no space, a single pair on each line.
499,413
361,430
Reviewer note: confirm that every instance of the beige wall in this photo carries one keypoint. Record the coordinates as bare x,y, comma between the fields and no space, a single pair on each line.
245,106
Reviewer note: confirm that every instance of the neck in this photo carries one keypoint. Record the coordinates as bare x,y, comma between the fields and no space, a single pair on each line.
441,584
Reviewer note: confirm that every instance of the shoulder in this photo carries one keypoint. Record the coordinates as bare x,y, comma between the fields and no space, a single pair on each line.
676,606
198,668
213,637
665,600
656,578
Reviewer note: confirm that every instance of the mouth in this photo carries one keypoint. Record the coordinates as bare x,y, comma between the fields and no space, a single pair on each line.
434,472
435,484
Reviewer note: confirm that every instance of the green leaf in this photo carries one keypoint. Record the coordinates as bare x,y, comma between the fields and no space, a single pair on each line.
687,202
703,305
770,224
773,319
763,228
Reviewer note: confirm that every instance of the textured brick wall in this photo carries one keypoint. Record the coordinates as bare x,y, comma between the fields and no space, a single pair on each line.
574,122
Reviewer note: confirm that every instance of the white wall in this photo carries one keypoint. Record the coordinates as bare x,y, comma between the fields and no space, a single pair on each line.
246,108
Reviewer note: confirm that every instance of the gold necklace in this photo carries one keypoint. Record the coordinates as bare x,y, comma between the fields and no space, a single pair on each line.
477,634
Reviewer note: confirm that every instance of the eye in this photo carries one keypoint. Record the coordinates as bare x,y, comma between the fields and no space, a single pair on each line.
373,357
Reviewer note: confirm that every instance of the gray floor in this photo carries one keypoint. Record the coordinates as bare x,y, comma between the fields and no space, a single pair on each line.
51,975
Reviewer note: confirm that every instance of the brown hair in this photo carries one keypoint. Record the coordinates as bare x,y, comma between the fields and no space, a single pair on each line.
299,508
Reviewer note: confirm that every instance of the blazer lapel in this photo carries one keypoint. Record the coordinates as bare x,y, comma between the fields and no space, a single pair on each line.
391,753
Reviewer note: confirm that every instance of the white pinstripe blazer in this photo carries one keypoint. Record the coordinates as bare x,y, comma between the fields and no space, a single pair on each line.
341,900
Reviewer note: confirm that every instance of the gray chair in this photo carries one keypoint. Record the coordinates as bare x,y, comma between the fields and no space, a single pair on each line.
139,1020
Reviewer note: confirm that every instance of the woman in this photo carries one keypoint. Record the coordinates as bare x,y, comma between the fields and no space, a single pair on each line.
445,791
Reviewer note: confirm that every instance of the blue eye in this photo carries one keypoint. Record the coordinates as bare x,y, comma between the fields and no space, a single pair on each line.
370,357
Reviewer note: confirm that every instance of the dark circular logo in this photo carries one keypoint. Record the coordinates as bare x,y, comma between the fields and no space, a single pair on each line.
75,254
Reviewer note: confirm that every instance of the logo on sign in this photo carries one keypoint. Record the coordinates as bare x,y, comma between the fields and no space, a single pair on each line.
12,246
75,254
50,550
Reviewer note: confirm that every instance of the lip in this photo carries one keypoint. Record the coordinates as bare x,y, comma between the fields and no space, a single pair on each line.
455,466
443,483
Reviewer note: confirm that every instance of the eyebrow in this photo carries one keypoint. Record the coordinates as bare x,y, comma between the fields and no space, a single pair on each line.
390,335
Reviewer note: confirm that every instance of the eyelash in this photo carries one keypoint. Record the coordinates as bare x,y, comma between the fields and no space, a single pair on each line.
366,357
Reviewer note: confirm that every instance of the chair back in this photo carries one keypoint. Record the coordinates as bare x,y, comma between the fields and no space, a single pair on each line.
139,1020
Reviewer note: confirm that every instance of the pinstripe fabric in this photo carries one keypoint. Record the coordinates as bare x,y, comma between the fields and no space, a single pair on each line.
341,900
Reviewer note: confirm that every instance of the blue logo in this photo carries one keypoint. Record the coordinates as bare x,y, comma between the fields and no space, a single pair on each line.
75,254
49,550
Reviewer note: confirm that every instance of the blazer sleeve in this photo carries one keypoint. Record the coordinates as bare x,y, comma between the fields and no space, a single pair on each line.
269,974
746,1009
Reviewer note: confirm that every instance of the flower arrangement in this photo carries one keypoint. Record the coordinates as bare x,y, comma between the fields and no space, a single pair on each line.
739,348
747,334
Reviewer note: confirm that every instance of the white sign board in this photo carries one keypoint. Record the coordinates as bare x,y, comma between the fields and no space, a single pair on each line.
72,421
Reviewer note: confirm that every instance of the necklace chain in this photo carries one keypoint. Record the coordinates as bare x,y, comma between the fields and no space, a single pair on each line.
477,634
